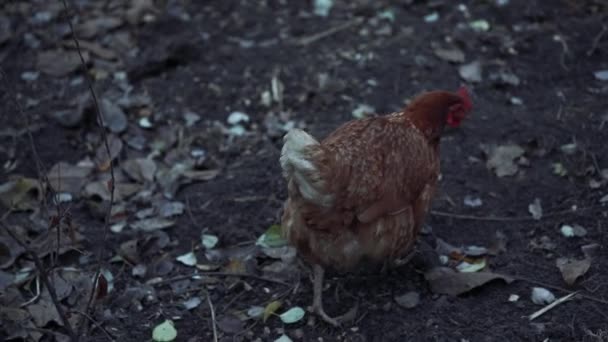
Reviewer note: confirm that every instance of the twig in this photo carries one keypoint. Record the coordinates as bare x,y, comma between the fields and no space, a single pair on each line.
95,323
303,41
596,40
213,322
557,288
45,279
551,306
33,299
565,51
223,274
112,182
504,218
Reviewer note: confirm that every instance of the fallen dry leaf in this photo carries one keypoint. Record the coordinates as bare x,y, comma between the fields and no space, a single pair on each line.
444,280
20,194
572,269
101,155
502,159
59,62
65,177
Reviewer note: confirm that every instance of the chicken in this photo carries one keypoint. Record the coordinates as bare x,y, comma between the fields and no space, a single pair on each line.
362,193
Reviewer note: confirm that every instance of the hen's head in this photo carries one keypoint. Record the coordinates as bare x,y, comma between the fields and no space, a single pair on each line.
431,111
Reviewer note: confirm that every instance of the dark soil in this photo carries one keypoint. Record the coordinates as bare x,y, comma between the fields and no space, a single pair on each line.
200,65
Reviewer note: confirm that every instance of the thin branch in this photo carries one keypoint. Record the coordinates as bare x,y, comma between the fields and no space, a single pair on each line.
95,323
505,218
45,279
303,41
106,226
223,274
551,306
596,40
557,288
213,321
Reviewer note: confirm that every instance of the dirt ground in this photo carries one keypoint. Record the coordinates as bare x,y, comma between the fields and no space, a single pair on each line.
539,90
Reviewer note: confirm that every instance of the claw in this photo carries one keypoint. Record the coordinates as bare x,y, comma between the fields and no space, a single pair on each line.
318,301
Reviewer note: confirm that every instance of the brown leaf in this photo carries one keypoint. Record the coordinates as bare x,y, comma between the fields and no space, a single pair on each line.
101,155
65,177
444,280
92,27
44,312
572,269
59,62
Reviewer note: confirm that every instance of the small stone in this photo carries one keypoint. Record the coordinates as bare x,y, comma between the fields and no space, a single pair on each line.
409,300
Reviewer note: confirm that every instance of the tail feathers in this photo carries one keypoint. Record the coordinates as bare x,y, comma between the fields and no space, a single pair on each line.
298,167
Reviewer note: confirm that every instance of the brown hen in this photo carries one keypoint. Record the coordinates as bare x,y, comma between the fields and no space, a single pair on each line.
363,192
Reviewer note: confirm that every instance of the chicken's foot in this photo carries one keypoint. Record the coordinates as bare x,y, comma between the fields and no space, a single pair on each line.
318,274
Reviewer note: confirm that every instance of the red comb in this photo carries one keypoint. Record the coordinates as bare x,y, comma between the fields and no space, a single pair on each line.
466,98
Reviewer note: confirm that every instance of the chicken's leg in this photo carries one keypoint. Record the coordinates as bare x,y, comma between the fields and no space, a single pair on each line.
318,273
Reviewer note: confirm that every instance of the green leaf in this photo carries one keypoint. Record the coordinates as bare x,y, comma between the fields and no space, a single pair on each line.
272,237
209,241
292,315
271,308
164,332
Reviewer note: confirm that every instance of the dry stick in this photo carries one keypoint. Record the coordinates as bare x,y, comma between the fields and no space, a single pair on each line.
213,322
223,274
596,40
503,218
318,36
45,279
112,179
557,288
94,322
551,306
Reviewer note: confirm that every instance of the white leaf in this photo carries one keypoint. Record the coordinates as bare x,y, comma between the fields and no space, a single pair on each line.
237,117
192,303
292,315
283,338
322,7
255,311
209,241
188,259
164,332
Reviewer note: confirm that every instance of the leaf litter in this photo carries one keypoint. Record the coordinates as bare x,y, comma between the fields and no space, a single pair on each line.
572,269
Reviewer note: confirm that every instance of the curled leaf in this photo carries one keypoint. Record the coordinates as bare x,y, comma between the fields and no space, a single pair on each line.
271,308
